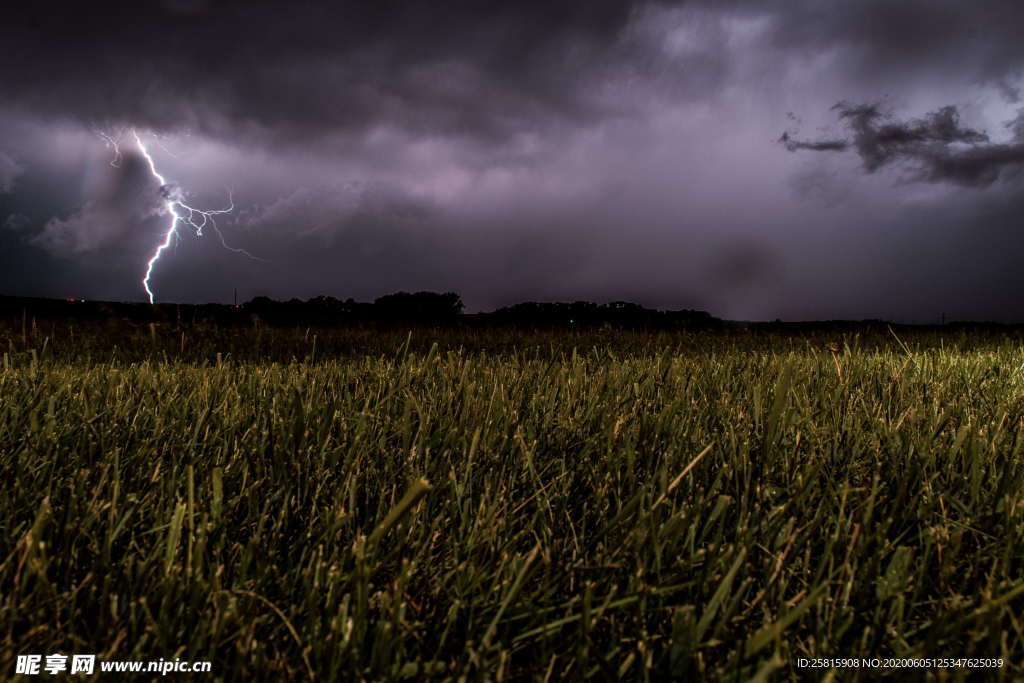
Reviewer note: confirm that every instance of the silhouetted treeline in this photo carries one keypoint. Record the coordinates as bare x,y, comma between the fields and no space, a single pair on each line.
418,308
426,309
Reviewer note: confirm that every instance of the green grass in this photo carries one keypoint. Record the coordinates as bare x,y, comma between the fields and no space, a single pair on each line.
350,506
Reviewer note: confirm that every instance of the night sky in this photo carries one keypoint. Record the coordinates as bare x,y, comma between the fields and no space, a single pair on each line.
800,159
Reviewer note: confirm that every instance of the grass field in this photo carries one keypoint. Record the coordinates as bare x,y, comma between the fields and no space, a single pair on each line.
344,505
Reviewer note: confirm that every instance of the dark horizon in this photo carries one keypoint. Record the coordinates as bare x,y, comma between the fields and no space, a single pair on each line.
516,313
782,160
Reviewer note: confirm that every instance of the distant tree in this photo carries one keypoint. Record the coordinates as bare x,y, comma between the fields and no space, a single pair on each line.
260,303
419,306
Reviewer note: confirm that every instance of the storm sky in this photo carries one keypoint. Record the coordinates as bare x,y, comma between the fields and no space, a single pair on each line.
796,159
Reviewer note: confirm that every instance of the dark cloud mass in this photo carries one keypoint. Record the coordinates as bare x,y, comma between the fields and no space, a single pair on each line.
794,145
548,149
938,147
260,68
124,199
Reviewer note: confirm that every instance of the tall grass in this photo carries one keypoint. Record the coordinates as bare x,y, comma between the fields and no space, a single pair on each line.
638,507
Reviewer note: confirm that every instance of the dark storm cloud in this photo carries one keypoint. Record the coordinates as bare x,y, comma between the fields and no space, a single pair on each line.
795,145
125,198
461,68
534,149
266,69
885,41
938,147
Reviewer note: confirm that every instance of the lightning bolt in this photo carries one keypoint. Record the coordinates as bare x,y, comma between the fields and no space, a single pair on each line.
175,206
113,143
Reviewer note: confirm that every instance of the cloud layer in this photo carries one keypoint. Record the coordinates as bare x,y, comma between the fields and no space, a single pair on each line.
936,147
558,150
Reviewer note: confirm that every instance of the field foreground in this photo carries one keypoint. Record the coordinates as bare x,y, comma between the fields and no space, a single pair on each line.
680,506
